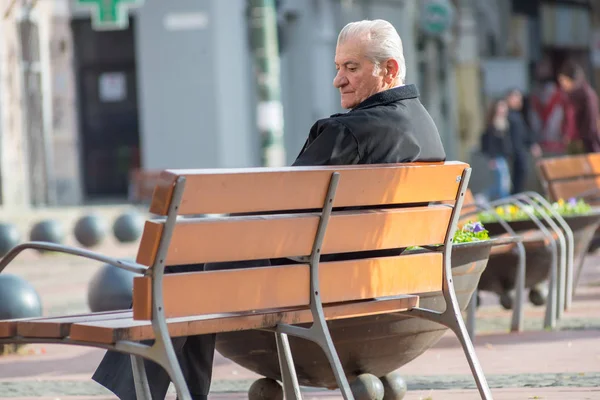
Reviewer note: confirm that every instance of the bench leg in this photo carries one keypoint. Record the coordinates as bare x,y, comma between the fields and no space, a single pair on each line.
516,324
575,283
452,318
550,314
291,388
319,334
140,379
461,332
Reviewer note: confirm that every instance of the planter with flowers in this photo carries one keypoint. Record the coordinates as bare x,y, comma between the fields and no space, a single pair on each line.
499,276
582,218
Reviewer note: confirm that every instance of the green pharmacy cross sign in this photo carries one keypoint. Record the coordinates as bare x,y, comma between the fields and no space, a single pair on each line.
436,17
110,14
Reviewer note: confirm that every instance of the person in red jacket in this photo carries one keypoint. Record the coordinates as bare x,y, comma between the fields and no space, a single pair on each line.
583,116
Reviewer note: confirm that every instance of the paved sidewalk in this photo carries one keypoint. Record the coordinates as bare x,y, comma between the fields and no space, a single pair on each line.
535,364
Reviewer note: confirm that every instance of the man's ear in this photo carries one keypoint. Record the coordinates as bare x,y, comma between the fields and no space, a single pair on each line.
391,70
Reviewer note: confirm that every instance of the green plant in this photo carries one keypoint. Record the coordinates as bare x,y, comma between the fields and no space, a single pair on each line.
472,231
516,213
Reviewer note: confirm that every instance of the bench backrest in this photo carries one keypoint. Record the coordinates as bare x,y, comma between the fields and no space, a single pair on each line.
285,206
569,176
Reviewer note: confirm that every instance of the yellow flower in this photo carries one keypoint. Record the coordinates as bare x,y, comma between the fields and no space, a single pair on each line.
499,210
561,202
512,210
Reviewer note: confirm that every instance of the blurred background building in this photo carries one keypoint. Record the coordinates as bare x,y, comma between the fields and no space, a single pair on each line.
82,107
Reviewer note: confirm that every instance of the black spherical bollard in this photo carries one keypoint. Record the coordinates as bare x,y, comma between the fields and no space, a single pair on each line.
367,387
128,227
9,238
48,231
90,230
18,298
507,300
265,389
110,289
538,295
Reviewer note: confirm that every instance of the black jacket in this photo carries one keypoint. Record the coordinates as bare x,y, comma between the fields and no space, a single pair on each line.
521,136
389,127
496,143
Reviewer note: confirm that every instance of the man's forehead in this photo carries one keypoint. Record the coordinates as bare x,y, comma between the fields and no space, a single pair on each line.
350,51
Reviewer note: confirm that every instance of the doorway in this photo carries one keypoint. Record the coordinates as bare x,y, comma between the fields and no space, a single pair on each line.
108,108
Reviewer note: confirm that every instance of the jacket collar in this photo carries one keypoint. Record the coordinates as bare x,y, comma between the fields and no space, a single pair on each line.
389,96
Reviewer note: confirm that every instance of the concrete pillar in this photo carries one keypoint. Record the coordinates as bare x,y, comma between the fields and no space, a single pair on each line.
13,159
60,104
468,82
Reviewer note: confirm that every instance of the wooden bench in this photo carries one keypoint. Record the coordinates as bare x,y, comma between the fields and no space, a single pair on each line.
576,176
303,213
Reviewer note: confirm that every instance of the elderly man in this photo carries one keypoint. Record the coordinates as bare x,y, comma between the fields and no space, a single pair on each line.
386,124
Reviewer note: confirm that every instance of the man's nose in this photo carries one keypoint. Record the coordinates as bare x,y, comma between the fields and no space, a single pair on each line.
339,80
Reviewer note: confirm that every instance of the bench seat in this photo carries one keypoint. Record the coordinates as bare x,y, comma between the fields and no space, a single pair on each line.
111,327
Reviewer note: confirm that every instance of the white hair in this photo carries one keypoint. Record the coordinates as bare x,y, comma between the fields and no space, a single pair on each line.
382,43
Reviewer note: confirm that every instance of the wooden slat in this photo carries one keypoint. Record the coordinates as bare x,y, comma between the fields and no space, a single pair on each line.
58,327
8,328
564,167
246,238
295,188
289,286
129,329
567,167
567,189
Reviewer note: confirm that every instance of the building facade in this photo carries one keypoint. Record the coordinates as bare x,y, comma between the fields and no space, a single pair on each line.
82,107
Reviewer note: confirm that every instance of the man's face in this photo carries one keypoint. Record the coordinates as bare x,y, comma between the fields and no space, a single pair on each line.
355,78
565,83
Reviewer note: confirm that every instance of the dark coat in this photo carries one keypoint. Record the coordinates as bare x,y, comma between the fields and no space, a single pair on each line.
496,143
521,136
584,103
388,127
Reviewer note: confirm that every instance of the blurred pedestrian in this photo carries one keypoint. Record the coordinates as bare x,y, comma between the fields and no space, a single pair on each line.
523,140
496,145
583,115
547,112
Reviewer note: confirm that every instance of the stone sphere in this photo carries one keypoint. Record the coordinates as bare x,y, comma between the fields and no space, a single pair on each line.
265,389
9,238
110,289
367,387
18,298
394,386
48,231
90,230
128,227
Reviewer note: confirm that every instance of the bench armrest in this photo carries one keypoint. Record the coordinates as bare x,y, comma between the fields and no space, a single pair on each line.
126,265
